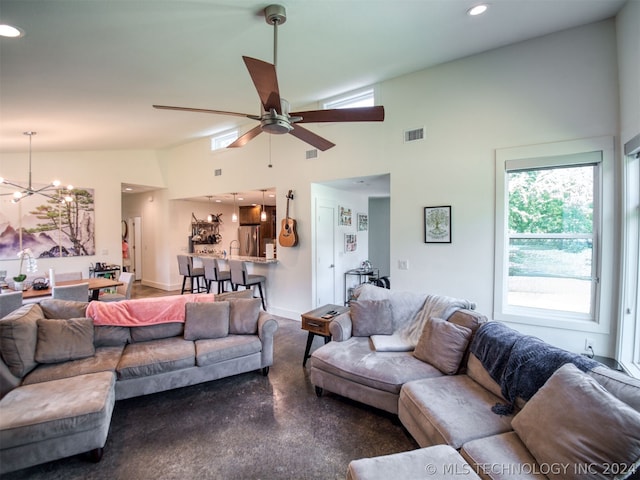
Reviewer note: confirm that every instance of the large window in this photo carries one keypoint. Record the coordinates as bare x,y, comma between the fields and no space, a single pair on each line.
549,235
551,238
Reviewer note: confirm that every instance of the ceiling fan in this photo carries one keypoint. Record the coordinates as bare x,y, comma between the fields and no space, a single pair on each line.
275,117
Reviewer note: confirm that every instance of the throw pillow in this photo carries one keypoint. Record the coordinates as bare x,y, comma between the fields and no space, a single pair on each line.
443,344
206,320
371,317
572,420
243,315
18,339
56,308
63,340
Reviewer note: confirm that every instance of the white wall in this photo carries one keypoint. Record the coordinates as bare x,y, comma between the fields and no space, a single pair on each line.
559,87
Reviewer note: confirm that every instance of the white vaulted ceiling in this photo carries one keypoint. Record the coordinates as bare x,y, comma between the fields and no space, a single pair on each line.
86,72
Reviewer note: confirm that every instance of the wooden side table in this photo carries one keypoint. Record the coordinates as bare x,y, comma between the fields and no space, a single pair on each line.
315,324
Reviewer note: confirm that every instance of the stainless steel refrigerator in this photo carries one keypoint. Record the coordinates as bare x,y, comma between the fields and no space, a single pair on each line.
249,238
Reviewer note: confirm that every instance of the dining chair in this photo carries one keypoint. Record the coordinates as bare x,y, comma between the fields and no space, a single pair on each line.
9,302
79,292
187,270
66,276
240,276
123,292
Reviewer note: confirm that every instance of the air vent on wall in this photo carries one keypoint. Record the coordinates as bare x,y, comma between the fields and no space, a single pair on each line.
414,134
310,154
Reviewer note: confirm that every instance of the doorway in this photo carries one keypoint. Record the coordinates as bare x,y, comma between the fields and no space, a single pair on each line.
134,241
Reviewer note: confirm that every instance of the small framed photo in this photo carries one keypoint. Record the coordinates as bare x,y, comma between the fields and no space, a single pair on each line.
344,216
350,242
437,224
363,222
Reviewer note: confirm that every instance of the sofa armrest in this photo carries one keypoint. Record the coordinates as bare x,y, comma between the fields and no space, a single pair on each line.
340,327
267,327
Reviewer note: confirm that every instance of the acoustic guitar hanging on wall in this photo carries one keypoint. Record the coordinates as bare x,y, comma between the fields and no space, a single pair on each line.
288,236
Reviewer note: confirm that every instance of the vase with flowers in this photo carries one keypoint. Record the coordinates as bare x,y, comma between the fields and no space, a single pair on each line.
32,267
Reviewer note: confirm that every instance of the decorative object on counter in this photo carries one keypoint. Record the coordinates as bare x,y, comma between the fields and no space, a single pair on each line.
437,224
288,235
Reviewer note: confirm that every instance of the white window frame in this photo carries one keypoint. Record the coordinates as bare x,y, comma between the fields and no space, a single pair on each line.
548,155
629,331
351,99
223,140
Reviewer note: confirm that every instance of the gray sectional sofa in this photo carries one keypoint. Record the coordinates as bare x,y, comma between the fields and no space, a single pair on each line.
60,374
512,407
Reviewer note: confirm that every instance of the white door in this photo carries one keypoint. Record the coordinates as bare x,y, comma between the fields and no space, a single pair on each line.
325,255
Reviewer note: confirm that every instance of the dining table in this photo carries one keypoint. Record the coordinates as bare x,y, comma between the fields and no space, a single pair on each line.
95,285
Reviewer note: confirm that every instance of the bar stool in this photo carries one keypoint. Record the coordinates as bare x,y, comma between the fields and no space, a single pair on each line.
186,269
213,273
239,276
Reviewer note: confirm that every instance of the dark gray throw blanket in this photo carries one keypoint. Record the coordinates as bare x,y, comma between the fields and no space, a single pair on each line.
519,363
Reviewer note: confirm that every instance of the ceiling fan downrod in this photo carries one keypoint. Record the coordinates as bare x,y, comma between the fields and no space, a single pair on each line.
275,15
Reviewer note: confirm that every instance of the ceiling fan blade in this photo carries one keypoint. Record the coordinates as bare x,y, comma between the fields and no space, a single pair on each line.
244,139
265,80
204,110
311,138
360,114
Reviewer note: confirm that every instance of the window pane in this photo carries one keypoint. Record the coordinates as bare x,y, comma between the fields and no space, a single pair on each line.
551,211
554,200
553,274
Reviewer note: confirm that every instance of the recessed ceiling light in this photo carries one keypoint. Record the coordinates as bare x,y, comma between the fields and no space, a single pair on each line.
10,31
478,9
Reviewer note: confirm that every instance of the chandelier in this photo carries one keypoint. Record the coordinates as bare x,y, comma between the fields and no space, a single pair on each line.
52,190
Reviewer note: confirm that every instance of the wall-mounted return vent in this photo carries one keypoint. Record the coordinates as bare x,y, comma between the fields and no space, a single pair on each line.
311,154
217,172
414,135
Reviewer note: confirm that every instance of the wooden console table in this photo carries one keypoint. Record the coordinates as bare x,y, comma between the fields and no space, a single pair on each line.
316,325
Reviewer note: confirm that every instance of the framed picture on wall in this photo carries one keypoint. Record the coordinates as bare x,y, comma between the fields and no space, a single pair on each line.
363,222
344,216
437,224
350,242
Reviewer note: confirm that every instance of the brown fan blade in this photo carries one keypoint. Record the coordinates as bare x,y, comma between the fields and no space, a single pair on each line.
244,139
265,80
311,138
361,114
204,110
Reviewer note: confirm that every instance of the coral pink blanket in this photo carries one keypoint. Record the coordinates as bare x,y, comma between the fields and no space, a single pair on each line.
143,311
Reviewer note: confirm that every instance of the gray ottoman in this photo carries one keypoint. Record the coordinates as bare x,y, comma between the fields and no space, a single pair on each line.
50,420
437,462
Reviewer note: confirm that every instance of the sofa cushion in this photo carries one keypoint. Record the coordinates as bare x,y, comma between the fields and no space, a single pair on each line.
43,411
143,359
110,336
210,351
354,360
449,409
443,344
619,384
104,360
206,320
62,340
19,337
438,462
573,420
371,317
56,308
156,332
243,315
504,457
404,305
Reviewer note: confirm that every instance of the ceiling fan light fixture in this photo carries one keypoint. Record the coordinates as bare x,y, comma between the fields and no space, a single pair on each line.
9,31
477,9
